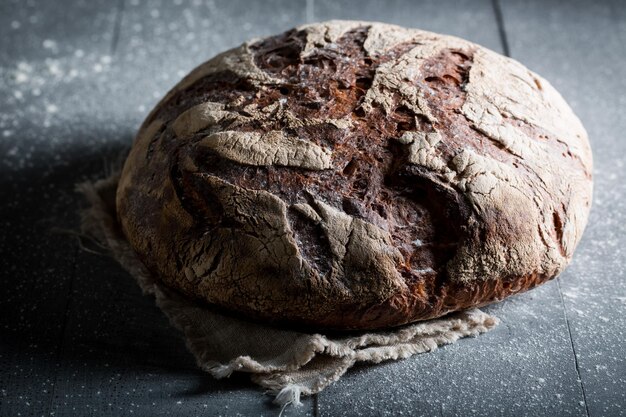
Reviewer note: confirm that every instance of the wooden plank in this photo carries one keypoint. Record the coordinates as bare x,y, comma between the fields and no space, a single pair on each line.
469,19
34,30
525,366
160,42
37,191
581,48
121,356
36,270
54,74
520,368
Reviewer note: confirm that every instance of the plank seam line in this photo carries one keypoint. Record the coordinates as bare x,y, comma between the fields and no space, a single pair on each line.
501,29
117,26
61,351
571,339
309,11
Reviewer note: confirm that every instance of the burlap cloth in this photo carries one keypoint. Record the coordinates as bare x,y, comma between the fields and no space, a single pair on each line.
286,362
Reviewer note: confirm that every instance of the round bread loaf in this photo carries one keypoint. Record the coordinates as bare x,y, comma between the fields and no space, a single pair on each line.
355,175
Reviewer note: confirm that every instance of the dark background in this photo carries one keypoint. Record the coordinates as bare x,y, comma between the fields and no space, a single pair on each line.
77,336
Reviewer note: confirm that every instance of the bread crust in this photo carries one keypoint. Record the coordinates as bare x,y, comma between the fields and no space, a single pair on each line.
356,175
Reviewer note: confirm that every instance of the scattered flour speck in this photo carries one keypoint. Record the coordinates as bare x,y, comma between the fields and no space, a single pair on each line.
24,66
50,45
21,77
54,67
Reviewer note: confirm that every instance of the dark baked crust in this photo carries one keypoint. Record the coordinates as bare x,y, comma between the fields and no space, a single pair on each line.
441,243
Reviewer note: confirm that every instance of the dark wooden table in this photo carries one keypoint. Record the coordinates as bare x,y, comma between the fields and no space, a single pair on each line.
77,336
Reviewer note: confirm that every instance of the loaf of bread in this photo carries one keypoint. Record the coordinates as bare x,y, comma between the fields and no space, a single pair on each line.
355,175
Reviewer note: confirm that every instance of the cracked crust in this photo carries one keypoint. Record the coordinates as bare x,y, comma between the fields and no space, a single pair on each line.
356,175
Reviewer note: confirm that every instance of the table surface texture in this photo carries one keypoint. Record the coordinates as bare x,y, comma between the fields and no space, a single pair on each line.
77,337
